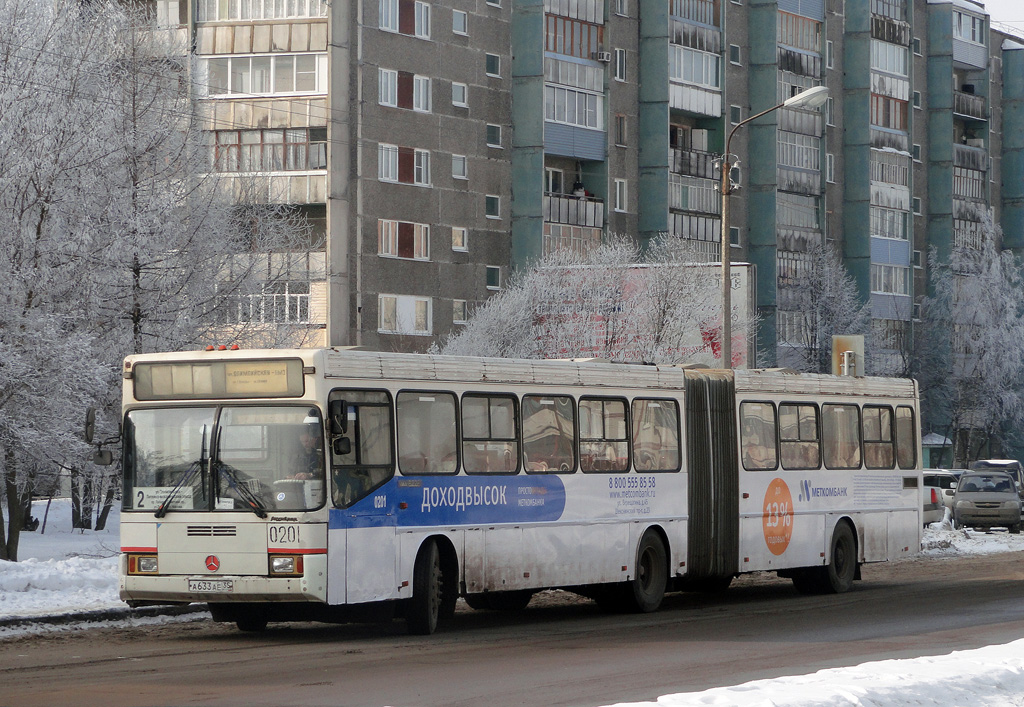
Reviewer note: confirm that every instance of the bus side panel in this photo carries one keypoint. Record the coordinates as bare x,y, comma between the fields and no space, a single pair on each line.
371,576
336,560
503,559
904,533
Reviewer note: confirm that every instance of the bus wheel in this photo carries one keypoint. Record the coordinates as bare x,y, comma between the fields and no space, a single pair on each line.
843,566
427,591
647,589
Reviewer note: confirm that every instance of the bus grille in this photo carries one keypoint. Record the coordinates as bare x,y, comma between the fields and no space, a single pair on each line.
211,531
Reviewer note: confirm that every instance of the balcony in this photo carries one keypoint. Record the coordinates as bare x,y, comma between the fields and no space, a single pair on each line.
694,194
970,105
692,162
971,156
573,210
703,11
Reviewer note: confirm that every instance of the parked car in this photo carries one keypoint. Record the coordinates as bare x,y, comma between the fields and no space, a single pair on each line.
1010,466
987,499
933,509
945,480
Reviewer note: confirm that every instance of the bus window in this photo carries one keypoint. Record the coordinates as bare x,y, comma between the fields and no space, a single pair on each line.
798,437
906,440
878,441
757,425
489,434
427,433
655,435
840,427
604,444
549,433
370,460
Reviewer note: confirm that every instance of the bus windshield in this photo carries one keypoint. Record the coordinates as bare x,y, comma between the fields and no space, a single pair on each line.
267,458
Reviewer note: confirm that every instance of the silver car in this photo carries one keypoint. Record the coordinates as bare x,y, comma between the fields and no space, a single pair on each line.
987,499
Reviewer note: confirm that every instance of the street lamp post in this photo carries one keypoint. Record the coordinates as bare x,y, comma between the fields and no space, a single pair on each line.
811,98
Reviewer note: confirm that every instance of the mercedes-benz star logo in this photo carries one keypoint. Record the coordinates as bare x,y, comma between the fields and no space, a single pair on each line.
212,563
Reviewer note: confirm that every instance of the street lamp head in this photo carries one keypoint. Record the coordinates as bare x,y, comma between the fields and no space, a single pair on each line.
811,98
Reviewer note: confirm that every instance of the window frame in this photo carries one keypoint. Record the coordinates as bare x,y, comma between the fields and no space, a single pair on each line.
515,439
635,427
752,465
799,439
627,439
398,431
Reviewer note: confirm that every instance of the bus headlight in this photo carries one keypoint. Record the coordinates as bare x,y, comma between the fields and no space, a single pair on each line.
142,564
282,565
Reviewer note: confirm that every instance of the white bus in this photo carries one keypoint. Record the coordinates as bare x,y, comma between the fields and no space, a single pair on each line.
342,485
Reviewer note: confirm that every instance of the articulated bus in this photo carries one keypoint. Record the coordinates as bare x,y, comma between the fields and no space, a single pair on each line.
344,485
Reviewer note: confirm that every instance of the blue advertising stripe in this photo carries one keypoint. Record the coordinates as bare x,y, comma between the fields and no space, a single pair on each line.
458,500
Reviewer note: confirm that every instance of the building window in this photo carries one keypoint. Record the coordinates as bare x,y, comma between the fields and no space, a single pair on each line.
888,223
734,54
796,150
404,314
460,22
277,302
387,163
492,65
735,115
915,151
620,130
830,54
494,3
401,239
493,277
622,8
573,37
459,315
621,195
492,206
693,67
917,46
573,107
799,32
830,112
620,64
968,28
830,168
890,279
459,94
917,99
459,168
291,149
388,20
916,201
888,113
388,92
734,236
554,180
422,22
889,58
460,238
267,75
917,260
421,94
212,10
493,135
421,168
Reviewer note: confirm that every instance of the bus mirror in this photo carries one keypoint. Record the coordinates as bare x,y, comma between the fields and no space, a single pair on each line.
102,457
336,411
342,446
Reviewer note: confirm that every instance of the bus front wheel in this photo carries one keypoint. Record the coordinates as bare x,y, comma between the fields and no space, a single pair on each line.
427,591
647,589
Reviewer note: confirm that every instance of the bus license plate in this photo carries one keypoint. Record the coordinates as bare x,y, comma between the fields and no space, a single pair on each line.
210,585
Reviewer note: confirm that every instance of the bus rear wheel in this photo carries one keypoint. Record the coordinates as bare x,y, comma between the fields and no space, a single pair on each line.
842,568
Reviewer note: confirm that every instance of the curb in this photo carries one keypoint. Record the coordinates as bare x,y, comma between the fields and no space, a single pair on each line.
102,615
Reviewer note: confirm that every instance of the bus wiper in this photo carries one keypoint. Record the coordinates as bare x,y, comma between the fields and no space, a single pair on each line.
196,467
244,492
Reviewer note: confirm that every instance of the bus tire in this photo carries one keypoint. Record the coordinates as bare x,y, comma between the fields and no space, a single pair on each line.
251,621
842,567
427,591
647,589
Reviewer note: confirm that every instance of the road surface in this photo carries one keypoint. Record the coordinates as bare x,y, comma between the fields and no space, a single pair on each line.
560,651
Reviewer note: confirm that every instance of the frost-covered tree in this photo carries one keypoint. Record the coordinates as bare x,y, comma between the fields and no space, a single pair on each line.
970,348
114,235
821,302
616,303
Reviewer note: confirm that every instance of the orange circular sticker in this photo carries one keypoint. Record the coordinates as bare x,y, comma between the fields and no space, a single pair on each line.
778,516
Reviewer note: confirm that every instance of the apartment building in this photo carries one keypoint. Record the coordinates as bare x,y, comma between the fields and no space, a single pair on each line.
439,147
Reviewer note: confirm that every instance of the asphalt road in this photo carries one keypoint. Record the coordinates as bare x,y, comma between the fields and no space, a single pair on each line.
560,651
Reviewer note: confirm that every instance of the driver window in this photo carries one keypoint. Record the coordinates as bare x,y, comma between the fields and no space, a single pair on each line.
368,462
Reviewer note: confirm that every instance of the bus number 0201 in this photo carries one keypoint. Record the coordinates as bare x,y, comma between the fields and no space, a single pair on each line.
380,501
282,534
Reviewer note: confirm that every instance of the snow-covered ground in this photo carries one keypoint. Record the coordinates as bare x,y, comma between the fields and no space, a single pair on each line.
68,572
